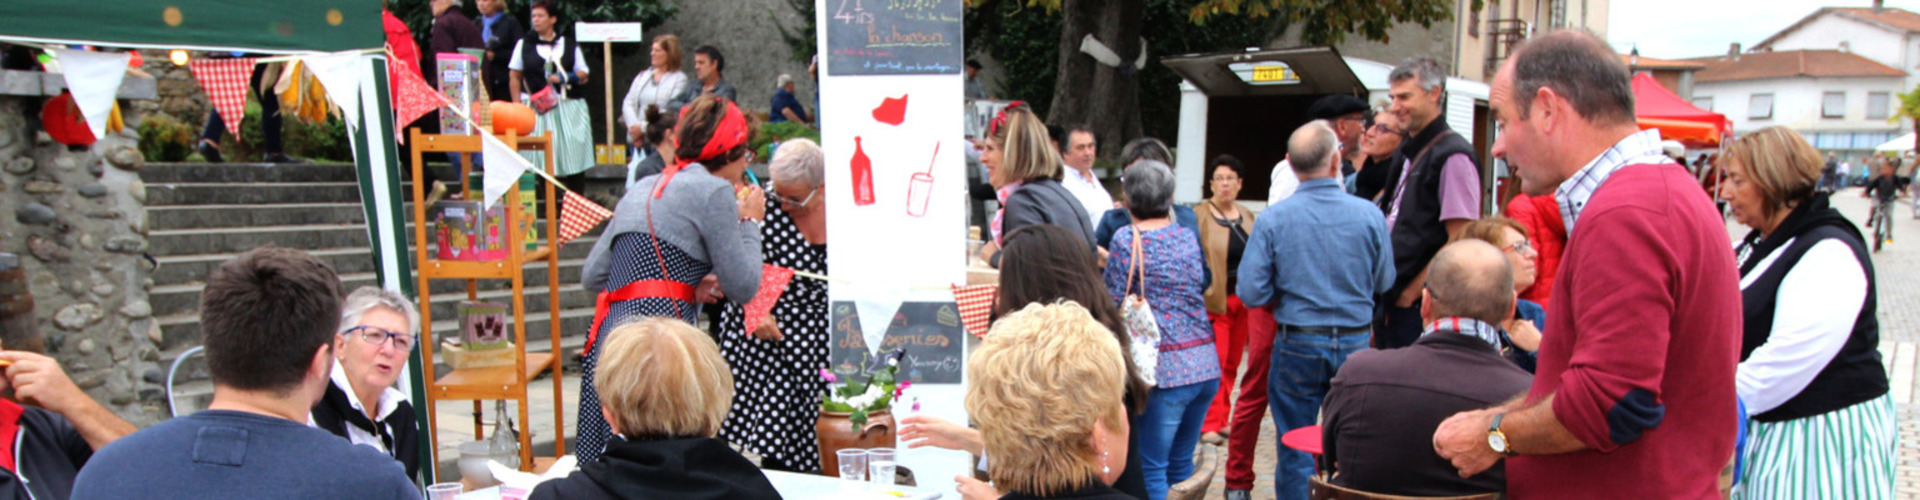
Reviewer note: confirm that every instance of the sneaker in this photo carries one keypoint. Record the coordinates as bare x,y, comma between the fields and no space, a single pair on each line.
1239,494
439,191
211,153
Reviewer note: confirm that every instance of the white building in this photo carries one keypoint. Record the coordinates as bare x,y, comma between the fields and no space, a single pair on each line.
1840,101
1886,35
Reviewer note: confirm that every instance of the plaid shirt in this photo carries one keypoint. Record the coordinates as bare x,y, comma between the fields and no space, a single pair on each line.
1642,147
1466,326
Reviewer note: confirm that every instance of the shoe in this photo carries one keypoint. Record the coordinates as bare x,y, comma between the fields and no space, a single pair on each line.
1213,438
439,191
211,153
1239,495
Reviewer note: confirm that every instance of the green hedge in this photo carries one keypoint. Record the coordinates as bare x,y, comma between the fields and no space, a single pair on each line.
772,133
163,138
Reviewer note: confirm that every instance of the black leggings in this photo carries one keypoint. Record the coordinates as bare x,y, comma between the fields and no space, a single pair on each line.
269,115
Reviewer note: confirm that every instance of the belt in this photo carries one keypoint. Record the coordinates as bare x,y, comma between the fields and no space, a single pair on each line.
1331,331
644,289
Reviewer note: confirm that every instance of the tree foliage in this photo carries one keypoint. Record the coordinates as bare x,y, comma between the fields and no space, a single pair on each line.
1910,110
1326,22
804,38
419,15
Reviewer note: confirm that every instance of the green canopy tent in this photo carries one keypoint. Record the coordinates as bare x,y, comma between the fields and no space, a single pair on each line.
305,27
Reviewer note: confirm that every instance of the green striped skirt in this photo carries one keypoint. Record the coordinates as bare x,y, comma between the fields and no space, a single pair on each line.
572,138
1846,453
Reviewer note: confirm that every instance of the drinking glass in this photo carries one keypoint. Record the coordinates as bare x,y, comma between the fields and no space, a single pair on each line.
853,464
880,465
443,491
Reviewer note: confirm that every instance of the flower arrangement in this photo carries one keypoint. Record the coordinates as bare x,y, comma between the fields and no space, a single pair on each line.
861,398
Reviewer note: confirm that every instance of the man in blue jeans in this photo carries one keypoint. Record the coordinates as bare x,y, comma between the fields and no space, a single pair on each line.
1318,258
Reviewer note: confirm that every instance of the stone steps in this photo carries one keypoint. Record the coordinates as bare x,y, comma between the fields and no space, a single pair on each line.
246,172
185,297
202,193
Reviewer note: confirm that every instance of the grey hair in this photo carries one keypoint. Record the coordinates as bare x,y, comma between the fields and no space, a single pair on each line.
1149,189
1431,75
782,81
1311,147
1471,278
1581,69
798,161
366,298
1145,148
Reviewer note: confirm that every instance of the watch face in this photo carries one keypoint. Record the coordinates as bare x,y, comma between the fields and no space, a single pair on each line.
1497,441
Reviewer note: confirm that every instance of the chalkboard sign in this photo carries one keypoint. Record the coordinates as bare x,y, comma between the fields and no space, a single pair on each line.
894,37
930,332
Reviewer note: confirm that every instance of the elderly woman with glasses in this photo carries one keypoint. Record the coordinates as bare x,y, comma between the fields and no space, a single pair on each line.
777,364
376,335
1521,332
1379,143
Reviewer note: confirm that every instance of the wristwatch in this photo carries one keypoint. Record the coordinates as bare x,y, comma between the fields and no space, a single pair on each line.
1498,440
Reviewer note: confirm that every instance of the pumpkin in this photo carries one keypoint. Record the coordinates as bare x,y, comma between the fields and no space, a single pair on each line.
511,116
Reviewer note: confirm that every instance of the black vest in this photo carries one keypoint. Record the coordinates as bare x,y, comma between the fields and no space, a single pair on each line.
335,412
1418,233
533,69
1855,374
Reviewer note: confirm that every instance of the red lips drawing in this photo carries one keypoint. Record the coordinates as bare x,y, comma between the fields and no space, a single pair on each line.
892,110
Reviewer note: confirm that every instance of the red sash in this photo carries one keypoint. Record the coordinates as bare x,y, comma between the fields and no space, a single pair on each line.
643,289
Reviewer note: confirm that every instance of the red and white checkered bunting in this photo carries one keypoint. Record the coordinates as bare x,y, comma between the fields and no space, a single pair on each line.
579,215
976,306
225,81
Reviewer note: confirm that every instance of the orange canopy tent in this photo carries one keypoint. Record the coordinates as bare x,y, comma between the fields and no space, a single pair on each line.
1678,120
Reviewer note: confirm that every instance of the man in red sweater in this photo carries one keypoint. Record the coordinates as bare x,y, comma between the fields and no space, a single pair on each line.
1634,396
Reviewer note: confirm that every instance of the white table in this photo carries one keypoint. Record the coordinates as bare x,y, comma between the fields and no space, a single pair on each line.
794,486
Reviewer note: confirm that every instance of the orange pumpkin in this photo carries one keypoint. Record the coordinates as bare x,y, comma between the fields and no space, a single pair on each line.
511,116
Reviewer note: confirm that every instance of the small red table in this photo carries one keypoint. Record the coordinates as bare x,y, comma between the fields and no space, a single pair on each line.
1307,439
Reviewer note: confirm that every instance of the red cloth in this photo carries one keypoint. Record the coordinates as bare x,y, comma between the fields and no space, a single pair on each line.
225,82
1653,101
1649,302
643,289
1243,431
579,215
9,431
773,284
412,96
1548,230
730,133
1230,341
976,306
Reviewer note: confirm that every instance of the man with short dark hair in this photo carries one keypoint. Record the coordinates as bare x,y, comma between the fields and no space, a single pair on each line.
708,66
1438,193
1634,392
1077,154
1317,259
1384,405
268,318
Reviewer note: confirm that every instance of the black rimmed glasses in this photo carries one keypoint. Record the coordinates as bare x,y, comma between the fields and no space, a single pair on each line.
378,336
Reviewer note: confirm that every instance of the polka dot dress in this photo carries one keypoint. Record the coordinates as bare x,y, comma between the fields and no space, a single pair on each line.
777,384
633,260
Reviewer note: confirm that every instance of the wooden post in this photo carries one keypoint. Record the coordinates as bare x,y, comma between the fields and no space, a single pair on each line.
606,55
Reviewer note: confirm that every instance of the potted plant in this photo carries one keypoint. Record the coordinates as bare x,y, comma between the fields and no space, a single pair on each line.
855,410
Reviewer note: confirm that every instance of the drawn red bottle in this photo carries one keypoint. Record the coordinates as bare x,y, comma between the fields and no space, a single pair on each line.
862,175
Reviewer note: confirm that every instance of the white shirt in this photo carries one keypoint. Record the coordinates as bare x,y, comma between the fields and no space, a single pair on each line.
633,110
1089,191
1284,182
1813,316
390,400
548,52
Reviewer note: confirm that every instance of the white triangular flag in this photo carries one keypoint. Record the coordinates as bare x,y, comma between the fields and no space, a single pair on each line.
876,305
94,78
339,73
503,169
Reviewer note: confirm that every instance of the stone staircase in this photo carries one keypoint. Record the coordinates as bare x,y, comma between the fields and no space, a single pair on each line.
201,215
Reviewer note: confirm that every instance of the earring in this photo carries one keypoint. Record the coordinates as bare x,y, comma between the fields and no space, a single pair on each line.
1105,468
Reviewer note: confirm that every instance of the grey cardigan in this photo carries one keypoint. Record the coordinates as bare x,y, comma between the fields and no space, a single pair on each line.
697,214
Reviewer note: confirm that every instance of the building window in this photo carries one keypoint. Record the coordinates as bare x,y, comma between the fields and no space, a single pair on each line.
1473,23
1833,105
1760,107
1705,103
1879,105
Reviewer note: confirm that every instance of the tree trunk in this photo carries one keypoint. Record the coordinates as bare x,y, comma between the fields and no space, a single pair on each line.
1105,98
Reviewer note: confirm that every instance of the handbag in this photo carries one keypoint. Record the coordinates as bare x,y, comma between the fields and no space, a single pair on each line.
1142,326
546,99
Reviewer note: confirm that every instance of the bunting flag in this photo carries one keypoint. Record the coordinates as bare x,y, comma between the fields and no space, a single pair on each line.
94,79
413,98
579,215
339,74
976,306
773,284
504,168
876,306
225,81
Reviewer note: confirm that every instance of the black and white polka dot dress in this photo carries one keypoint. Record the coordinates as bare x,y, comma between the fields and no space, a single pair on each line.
633,260
777,384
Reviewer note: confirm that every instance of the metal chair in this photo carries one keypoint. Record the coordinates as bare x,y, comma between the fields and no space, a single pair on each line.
173,407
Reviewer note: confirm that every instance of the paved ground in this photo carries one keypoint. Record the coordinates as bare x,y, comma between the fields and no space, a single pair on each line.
1899,291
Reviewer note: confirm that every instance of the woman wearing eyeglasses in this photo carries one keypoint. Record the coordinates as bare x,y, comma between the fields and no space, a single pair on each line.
1522,332
1378,161
376,335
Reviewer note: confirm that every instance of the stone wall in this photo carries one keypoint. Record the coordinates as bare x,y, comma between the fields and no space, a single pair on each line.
745,33
77,221
180,95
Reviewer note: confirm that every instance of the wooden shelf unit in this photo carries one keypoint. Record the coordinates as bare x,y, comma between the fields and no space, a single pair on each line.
498,382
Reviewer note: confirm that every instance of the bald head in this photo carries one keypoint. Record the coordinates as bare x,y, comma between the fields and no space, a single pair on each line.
1310,150
1470,278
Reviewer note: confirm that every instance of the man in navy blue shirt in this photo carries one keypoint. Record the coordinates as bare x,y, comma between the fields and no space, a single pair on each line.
1318,258
786,107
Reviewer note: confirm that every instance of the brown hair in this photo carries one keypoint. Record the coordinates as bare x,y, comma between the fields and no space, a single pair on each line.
670,43
1039,384
1778,161
1580,68
263,314
1490,230
699,121
1043,264
663,378
1028,150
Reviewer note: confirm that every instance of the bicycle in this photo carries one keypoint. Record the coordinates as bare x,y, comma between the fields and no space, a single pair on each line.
1882,222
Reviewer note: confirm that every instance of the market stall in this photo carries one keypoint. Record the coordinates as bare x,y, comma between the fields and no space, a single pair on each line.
1655,107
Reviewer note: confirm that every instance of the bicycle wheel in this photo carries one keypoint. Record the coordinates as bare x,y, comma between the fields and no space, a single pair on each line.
1880,222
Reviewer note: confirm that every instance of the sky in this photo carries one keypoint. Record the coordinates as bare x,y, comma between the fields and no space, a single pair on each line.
1676,29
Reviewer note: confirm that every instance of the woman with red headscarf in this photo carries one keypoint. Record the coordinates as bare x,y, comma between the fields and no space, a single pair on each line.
671,230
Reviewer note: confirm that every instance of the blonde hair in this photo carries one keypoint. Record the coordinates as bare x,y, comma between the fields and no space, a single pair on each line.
1778,161
1491,230
662,377
670,43
1028,150
1040,381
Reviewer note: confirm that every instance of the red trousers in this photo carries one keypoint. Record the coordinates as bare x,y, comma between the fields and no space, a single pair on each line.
1230,340
1251,407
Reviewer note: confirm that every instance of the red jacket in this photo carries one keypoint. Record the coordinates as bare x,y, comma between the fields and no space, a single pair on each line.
1645,339
1541,216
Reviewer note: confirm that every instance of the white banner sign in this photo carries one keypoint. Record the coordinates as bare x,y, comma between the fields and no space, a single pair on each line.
607,32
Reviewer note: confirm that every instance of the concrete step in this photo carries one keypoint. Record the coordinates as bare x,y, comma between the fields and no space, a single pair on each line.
253,215
202,193
182,330
247,172
185,297
349,259
241,239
